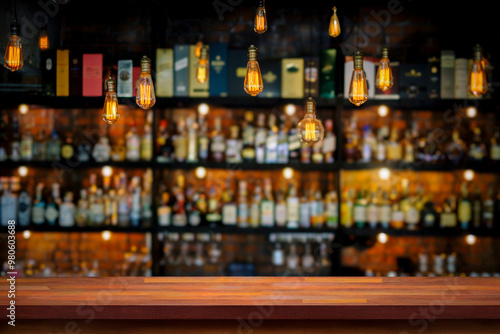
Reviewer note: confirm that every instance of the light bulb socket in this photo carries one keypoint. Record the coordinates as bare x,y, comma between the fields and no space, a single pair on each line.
252,53
204,53
15,27
385,53
358,61
310,106
334,9
145,65
110,84
477,53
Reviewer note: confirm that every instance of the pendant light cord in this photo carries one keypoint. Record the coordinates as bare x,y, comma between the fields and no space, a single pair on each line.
15,10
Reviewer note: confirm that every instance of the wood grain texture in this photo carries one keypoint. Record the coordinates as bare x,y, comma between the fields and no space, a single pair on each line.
171,298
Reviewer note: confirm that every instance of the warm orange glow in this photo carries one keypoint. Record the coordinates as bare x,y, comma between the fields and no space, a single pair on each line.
145,92
310,131
145,97
253,79
197,49
202,71
334,28
384,79
358,90
477,80
260,23
43,42
110,110
13,58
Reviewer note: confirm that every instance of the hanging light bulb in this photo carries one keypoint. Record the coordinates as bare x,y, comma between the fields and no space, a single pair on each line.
13,59
110,110
334,28
384,79
145,92
358,91
198,46
310,129
202,66
260,22
253,79
477,78
43,41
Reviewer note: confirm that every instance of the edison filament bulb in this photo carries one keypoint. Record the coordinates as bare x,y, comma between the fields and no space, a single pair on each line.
310,129
145,92
260,22
253,79
477,84
202,66
13,59
384,79
358,90
43,41
110,110
334,28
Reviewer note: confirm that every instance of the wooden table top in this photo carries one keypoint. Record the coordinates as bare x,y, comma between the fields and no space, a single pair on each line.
268,297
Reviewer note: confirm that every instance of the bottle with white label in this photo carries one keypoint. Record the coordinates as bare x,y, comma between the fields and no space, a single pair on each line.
385,211
332,209
329,142
412,215
164,211
372,214
272,141
255,207
267,206
38,211
24,206
229,208
67,211
317,210
304,212
98,211
147,143
282,143
278,258
280,210
52,208
123,202
308,260
218,143
359,211
192,141
9,206
102,150
243,218
397,217
233,146
133,144
260,140
292,208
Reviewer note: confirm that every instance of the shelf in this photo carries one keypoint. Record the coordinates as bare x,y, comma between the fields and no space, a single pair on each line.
484,167
427,104
63,164
46,228
369,232
241,230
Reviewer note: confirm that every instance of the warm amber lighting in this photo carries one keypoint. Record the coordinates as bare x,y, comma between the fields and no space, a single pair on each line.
477,84
107,171
470,239
253,79
260,22
202,66
383,110
106,235
43,41
290,109
382,238
310,129
288,173
334,28
26,234
384,79
203,109
471,112
200,172
384,173
358,90
13,59
22,171
145,93
197,48
23,108
469,175
110,110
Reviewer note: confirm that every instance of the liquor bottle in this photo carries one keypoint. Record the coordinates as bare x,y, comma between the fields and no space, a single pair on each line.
83,149
8,206
229,208
359,211
455,150
260,139
448,218
24,214
464,210
294,144
305,153
179,216
385,211
213,216
218,142
292,208
243,219
192,212
430,217
40,147
67,149
408,150
412,215
368,144
317,156
164,143
98,211
248,138
200,199
133,144
67,211
304,212
38,211
113,208
54,147
255,207
477,208
27,145
52,209
180,140
351,147
477,149
192,141
123,202
4,147
495,146
147,198
15,145
282,143
82,210
233,146
147,143
203,143
292,260
164,210
488,209
329,143
372,211
394,148
317,210
397,217
272,141
267,206
331,209
346,206
278,257
102,150
280,209
308,259
382,134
